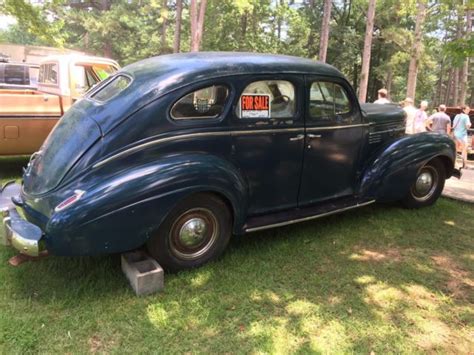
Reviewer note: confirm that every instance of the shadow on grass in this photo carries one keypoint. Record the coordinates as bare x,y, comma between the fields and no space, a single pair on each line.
12,167
376,279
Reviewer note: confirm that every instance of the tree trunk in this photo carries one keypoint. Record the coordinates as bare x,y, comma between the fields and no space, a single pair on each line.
447,98
197,23
243,29
437,97
416,49
465,67
364,73
312,34
323,43
164,25
177,29
279,21
388,81
456,87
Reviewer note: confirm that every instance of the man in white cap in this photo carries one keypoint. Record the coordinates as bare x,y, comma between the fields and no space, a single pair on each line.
382,97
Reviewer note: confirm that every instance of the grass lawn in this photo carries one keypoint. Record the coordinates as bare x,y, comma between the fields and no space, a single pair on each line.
381,279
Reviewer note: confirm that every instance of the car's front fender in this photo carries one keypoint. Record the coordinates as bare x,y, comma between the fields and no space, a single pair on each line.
388,175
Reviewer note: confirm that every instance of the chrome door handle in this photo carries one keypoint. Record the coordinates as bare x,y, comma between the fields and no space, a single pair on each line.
314,136
297,138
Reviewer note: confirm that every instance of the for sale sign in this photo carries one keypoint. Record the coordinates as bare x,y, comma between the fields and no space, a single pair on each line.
255,106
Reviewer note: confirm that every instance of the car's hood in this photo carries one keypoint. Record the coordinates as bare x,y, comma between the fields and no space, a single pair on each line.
377,113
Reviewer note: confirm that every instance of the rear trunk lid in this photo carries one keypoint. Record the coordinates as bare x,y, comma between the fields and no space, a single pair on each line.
75,133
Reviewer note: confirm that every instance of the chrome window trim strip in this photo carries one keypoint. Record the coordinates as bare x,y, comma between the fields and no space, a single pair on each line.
211,134
324,128
388,130
280,224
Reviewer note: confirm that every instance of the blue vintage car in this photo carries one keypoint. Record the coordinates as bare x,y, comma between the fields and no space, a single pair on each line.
179,152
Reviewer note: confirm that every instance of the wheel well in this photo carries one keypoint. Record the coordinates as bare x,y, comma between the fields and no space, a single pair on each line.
447,163
224,199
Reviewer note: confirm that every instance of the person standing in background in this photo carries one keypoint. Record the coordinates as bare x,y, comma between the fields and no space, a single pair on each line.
421,118
460,126
410,111
440,121
382,97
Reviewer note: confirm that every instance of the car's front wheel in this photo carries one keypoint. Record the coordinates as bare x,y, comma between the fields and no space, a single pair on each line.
195,232
427,187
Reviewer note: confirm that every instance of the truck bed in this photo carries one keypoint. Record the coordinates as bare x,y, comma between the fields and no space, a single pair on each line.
27,103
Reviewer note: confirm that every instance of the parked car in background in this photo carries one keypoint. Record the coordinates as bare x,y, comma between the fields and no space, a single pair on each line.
18,76
27,116
177,153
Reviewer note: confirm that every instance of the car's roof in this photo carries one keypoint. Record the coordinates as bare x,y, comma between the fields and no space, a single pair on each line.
157,76
212,64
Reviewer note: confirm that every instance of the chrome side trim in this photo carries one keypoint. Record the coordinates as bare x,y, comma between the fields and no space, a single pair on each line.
388,130
226,133
195,135
255,229
313,129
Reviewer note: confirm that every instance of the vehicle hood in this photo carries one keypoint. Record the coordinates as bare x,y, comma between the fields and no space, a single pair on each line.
377,113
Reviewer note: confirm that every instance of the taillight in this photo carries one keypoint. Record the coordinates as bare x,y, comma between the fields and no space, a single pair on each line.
70,200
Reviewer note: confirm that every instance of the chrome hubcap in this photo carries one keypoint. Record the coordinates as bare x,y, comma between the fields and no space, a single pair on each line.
193,233
425,184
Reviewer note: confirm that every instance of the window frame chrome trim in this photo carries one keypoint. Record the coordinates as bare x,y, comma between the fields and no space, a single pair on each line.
195,118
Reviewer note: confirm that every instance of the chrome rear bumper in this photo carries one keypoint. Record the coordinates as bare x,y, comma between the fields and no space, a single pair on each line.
21,234
18,232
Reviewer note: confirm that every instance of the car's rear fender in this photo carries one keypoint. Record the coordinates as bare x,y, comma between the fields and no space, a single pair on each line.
388,175
133,201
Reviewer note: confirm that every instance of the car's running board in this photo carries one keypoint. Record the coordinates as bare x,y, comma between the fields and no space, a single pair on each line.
281,218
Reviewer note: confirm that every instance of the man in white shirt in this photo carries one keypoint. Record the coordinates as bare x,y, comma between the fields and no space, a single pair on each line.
382,97
410,111
421,118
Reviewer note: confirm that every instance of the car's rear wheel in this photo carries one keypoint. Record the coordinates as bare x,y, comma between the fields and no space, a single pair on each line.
427,187
195,232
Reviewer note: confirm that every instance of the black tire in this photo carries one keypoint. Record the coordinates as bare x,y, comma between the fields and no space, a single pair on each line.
427,187
194,233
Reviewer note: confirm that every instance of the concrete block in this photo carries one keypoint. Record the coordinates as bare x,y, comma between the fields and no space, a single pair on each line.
145,275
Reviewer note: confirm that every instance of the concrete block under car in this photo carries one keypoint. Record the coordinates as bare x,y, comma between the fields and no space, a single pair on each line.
145,275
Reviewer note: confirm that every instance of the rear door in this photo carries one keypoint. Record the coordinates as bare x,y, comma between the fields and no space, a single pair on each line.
267,139
333,141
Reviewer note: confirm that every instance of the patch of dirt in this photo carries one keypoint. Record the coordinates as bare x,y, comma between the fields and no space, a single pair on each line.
98,345
460,283
388,254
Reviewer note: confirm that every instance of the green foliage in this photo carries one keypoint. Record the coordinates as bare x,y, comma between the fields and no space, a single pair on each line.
130,30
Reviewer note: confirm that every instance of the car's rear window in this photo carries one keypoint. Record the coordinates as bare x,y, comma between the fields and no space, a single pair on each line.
112,88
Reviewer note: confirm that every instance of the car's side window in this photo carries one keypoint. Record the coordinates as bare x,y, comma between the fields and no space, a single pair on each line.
267,99
328,101
205,103
48,73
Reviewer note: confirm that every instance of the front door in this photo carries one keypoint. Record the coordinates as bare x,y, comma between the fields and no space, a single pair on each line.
333,141
267,139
